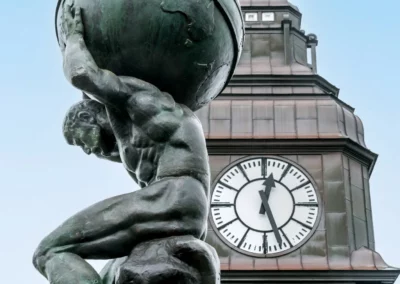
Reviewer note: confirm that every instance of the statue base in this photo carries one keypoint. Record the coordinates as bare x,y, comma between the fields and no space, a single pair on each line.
175,260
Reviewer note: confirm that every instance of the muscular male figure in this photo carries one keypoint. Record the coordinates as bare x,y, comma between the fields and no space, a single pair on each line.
161,145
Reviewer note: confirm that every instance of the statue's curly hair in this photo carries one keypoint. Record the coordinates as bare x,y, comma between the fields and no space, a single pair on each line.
88,105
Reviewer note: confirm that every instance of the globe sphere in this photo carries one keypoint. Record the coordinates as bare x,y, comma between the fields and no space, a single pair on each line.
188,48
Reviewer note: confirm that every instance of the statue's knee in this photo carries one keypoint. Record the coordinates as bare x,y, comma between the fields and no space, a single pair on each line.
198,228
197,218
40,258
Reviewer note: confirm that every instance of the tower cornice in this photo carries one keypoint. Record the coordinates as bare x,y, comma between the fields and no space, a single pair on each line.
339,276
272,9
293,146
286,80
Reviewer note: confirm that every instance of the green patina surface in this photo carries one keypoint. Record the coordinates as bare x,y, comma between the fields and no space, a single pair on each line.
188,49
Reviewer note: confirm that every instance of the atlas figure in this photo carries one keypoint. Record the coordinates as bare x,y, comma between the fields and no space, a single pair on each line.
161,144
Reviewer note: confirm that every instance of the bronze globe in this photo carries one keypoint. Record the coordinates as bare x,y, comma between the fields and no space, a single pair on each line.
188,48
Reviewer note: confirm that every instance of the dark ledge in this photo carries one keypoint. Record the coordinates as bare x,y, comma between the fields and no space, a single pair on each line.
292,147
348,276
283,8
287,80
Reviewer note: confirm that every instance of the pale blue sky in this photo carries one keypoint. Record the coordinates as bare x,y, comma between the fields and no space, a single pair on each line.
44,181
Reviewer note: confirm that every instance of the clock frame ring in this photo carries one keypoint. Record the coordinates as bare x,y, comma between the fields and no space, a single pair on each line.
271,255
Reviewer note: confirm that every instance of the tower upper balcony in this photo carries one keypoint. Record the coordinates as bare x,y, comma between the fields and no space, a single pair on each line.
275,43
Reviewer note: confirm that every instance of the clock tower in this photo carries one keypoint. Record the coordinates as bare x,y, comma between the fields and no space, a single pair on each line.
290,199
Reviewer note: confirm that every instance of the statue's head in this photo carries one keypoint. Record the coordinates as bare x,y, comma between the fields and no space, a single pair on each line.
86,125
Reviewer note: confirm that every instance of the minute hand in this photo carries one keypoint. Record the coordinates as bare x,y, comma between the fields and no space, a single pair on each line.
269,183
271,217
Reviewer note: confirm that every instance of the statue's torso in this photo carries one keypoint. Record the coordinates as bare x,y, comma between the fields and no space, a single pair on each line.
183,153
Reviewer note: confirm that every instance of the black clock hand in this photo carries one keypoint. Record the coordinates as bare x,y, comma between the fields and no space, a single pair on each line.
271,217
269,183
265,243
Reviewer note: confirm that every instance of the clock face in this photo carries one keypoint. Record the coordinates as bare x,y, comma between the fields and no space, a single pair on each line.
264,206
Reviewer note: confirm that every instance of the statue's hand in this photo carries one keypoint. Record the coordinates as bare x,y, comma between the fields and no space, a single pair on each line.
72,20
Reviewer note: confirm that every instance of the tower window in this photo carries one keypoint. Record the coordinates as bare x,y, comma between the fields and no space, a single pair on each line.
251,17
268,17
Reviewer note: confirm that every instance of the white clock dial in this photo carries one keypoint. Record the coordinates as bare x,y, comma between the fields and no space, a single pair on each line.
264,206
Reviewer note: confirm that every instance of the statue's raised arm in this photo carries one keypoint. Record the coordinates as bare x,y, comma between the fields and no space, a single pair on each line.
103,85
81,69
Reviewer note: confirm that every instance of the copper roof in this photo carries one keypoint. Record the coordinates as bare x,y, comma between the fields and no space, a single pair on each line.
293,118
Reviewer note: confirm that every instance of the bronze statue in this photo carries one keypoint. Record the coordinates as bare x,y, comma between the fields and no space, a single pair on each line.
154,234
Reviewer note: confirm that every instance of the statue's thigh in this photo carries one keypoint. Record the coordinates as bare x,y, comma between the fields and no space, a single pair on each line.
111,228
172,207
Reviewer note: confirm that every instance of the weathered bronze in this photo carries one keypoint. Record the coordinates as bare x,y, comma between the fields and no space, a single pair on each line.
186,47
